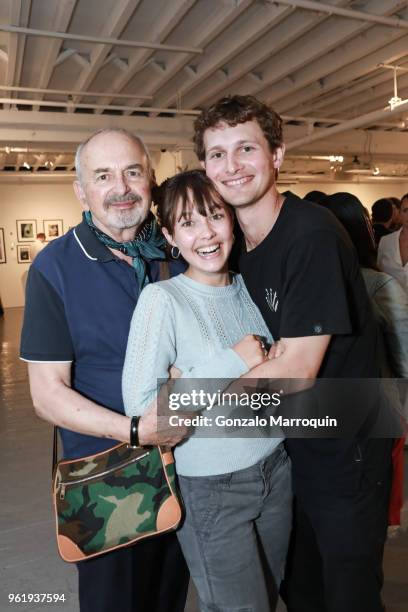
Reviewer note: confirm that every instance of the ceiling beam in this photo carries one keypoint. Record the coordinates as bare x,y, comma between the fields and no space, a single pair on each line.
215,24
73,92
354,142
253,57
61,21
368,119
321,7
69,105
235,39
337,69
170,17
314,53
19,14
64,56
334,97
372,104
64,131
98,40
373,95
119,19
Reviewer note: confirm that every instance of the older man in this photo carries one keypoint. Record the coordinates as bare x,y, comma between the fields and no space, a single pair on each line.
81,293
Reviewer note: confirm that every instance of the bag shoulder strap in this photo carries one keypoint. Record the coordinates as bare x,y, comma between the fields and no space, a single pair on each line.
164,271
54,452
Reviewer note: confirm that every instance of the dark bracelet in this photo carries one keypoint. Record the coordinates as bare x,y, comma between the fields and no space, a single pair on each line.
134,431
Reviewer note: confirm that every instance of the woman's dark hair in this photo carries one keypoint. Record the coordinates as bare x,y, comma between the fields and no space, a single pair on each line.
395,201
315,196
381,210
190,187
352,214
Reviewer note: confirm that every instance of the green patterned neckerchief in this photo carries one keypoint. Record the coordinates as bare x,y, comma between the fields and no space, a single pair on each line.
148,244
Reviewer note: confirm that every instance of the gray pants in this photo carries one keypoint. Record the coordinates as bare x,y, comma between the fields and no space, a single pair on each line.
235,535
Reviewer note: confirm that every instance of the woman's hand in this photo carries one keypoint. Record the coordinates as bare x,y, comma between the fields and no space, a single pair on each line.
252,350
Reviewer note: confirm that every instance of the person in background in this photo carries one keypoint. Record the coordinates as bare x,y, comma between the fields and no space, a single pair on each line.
390,304
393,249
397,220
382,215
81,293
37,246
389,299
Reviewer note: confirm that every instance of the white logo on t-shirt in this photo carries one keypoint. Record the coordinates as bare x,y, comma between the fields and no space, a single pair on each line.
272,299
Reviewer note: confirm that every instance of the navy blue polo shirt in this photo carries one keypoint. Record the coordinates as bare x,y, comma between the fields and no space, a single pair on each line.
80,300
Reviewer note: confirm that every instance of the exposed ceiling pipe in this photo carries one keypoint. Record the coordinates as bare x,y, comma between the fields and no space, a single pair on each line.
309,5
70,104
370,118
70,92
99,40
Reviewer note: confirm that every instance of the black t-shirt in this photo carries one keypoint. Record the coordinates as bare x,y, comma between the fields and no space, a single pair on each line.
305,278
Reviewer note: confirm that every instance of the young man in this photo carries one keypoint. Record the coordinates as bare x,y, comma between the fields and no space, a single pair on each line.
81,293
302,272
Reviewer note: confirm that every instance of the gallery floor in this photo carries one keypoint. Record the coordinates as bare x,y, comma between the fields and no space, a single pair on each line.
28,559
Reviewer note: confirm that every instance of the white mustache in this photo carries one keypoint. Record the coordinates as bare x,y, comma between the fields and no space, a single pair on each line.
118,199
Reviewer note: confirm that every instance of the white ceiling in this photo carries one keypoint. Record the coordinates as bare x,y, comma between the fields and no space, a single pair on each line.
68,67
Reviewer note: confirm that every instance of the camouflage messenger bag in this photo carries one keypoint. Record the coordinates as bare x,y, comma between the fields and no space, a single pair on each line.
113,499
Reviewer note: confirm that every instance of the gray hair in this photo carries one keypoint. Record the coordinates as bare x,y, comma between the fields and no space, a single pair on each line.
136,139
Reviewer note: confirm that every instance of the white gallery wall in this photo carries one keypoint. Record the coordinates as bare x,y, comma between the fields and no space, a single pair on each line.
45,200
29,200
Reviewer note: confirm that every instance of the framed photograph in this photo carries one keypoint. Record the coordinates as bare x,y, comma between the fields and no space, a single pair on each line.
26,230
23,253
53,228
2,247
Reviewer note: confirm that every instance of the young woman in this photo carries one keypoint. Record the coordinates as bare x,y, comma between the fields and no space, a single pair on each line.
237,491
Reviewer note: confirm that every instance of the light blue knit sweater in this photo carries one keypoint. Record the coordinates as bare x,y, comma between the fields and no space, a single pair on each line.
191,325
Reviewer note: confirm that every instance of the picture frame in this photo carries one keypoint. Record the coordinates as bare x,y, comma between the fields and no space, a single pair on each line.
23,254
26,230
3,258
53,228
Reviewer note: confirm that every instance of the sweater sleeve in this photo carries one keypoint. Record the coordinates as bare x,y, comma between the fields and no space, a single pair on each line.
151,349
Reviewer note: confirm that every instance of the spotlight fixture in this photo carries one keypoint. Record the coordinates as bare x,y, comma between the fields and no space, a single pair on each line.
396,100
